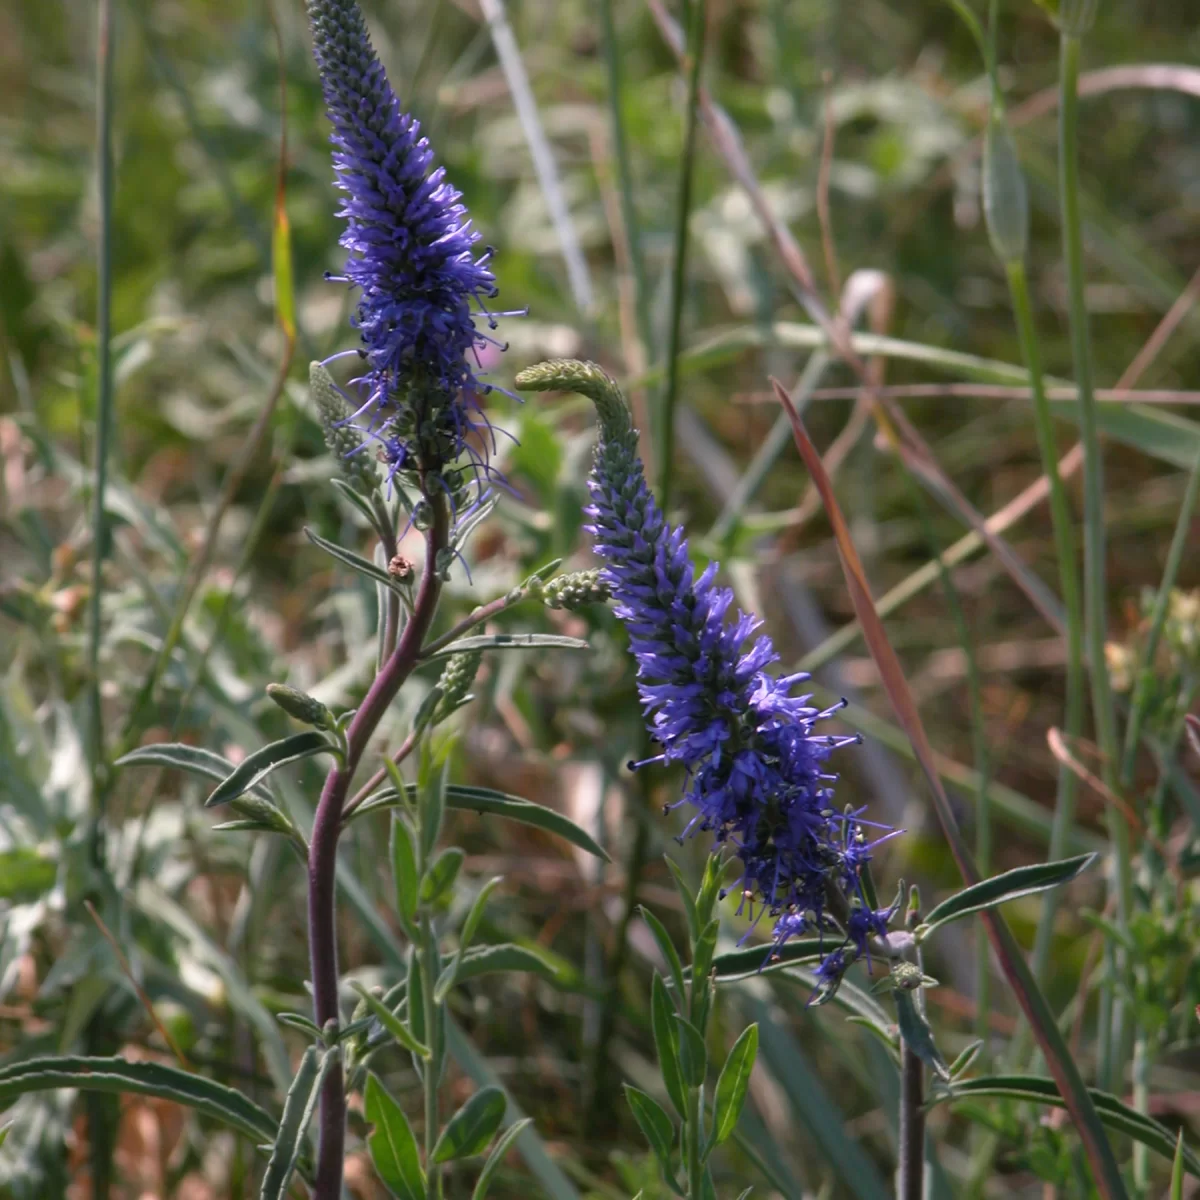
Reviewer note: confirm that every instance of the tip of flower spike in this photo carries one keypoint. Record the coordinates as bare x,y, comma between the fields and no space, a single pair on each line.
586,378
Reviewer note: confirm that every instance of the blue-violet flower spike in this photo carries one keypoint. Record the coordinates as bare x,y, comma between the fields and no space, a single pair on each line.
756,775
411,255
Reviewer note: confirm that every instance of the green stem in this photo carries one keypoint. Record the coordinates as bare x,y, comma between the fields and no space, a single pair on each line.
104,417
633,233
692,1133
664,441
431,1076
1067,555
1095,595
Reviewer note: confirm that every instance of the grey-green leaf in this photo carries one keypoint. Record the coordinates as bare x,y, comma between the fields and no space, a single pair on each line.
666,1042
761,959
472,1127
489,960
447,978
693,1057
657,1126
1112,1112
392,1145
487,801
1021,881
499,1150
510,641
298,1112
257,766
391,1022
915,1030
404,871
212,1099
732,1084
180,757
442,873
666,948
355,562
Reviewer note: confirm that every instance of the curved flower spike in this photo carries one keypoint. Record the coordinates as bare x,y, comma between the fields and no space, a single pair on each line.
756,777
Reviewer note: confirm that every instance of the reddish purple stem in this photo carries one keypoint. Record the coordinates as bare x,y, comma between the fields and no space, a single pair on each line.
322,857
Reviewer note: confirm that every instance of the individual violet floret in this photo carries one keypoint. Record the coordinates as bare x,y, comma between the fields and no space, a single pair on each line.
411,255
756,767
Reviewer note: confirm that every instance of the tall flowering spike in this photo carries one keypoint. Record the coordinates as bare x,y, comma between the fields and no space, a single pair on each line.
756,775
411,255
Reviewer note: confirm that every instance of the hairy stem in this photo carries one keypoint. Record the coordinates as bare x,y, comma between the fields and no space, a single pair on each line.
322,859
432,1073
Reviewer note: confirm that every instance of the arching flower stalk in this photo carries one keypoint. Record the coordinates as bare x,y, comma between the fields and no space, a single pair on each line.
757,779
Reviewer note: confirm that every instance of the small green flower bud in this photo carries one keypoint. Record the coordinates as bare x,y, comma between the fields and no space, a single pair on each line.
457,678
1005,197
576,590
300,705
355,463
906,976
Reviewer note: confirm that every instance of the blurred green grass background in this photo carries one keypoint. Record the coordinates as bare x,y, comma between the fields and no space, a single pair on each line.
196,134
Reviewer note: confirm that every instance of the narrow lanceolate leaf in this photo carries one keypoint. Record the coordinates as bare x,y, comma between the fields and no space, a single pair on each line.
693,1057
499,1150
392,1145
470,925
355,562
195,759
666,948
666,1042
1113,1112
298,1112
511,641
257,766
4,1133
762,959
472,1127
732,1084
1037,1011
488,802
1176,1168
442,873
404,871
915,1031
655,1124
1021,881
214,1100
489,960
391,1022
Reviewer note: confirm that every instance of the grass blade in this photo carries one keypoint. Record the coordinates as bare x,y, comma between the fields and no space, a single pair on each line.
1033,1003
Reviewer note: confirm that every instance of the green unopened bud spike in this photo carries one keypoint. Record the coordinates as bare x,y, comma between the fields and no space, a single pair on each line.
343,442
301,706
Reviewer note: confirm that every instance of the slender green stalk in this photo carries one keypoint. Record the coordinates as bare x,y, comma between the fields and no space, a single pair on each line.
1095,592
629,217
104,417
431,1075
1067,555
692,1131
664,440
1158,616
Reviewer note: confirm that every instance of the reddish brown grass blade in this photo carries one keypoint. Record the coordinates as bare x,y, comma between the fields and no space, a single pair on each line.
1008,952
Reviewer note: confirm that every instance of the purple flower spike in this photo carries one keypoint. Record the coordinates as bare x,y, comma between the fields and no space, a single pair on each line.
411,255
756,765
